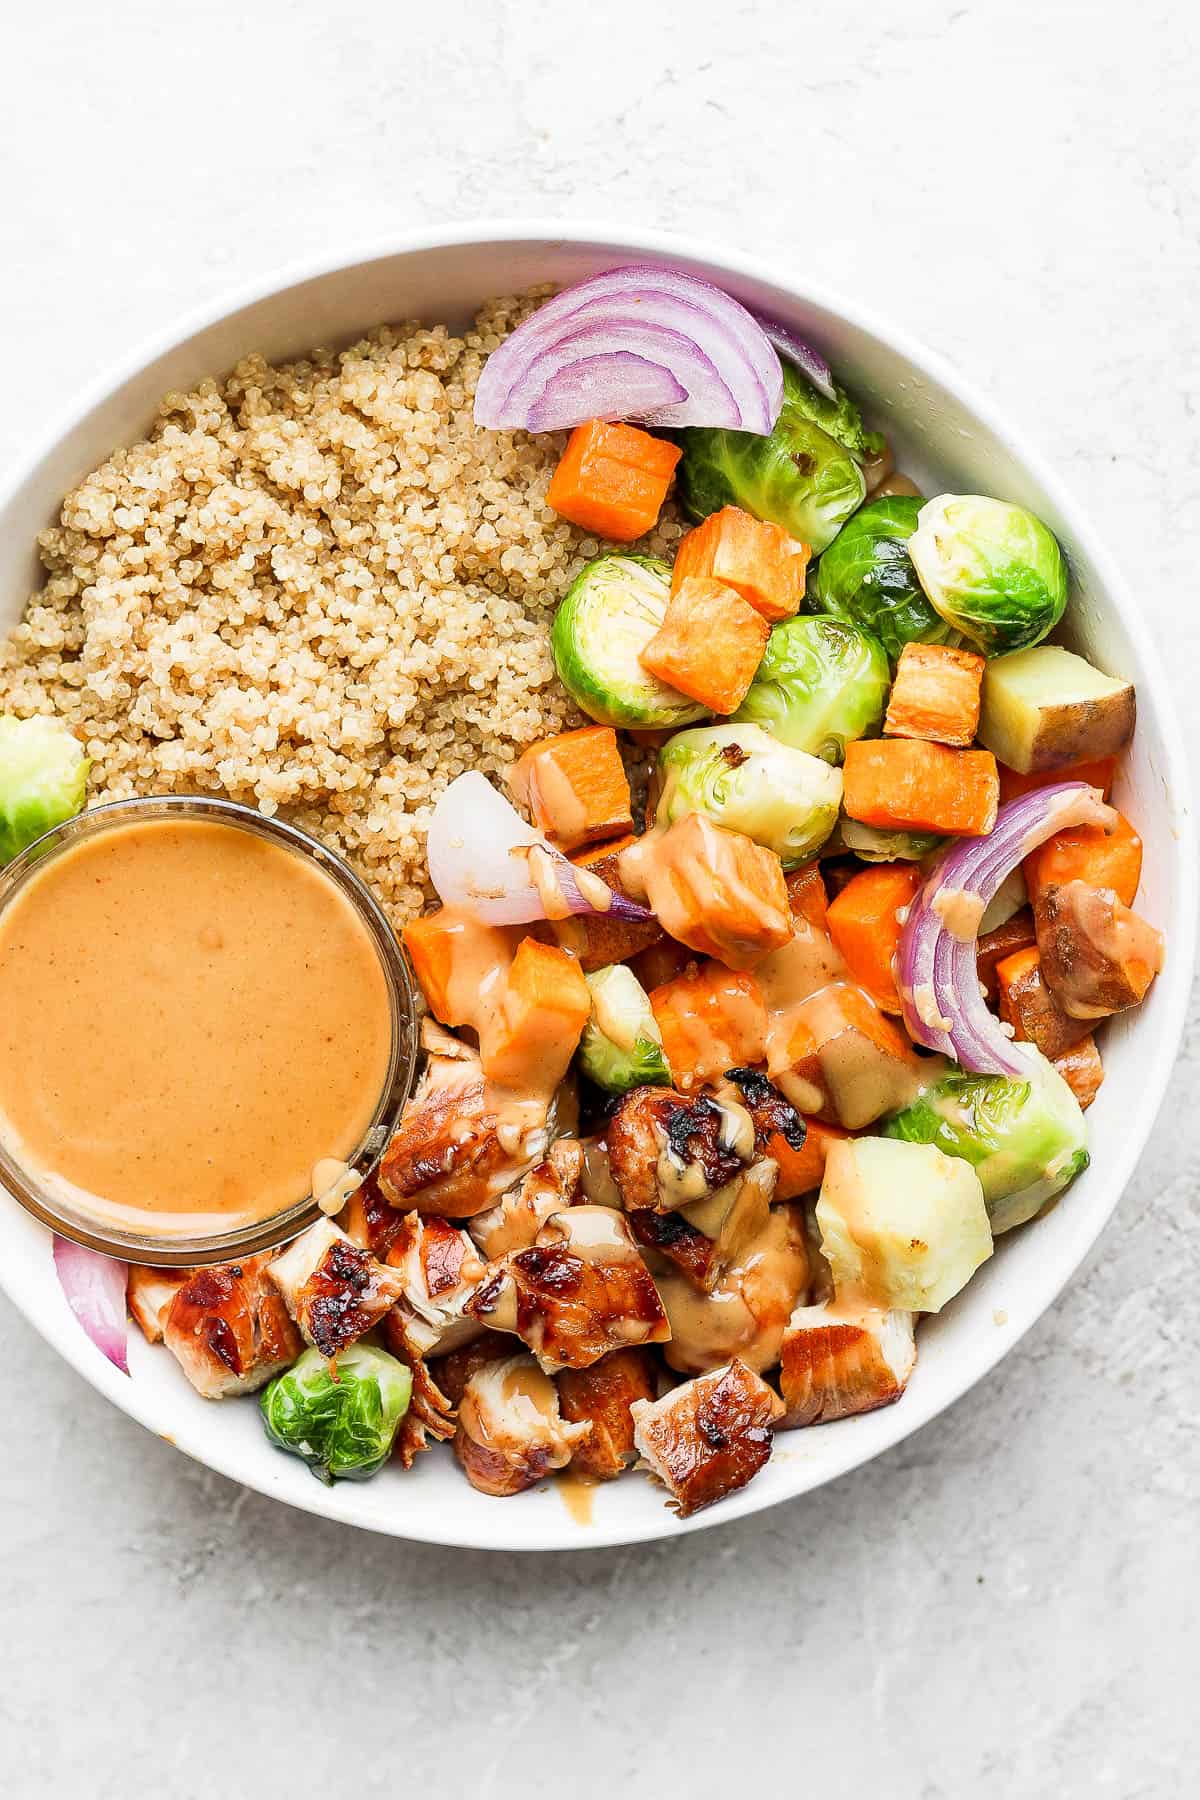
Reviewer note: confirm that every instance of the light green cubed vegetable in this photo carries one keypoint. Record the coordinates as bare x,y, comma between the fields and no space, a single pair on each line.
743,779
1026,1140
875,846
43,780
993,571
806,476
902,1224
341,1420
820,685
608,615
867,578
621,1047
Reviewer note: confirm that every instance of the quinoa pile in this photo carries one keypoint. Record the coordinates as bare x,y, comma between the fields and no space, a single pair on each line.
318,589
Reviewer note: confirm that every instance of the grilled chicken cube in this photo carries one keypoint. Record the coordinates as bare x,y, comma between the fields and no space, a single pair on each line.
579,1292
430,1412
453,1372
148,1294
673,1237
708,1437
511,1433
229,1330
517,1217
370,1221
603,1396
735,1216
665,1151
440,1269
745,1312
453,1153
333,1290
839,1359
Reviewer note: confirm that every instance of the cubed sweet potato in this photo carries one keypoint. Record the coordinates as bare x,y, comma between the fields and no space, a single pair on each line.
612,480
607,940
530,1039
806,892
711,1019
865,925
1097,773
900,784
714,890
935,694
842,1059
1027,1004
450,952
800,1171
1015,934
1088,853
575,787
754,557
709,644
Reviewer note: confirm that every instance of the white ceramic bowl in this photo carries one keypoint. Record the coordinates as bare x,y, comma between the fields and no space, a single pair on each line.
947,438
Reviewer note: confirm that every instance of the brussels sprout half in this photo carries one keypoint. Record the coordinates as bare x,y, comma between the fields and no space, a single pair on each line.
819,685
742,778
867,578
992,570
805,476
875,846
607,616
621,1047
342,1421
1026,1140
43,780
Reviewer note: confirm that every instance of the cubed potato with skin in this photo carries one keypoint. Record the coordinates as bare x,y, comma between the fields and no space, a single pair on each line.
1046,708
843,1059
839,1360
607,940
709,1437
1082,1070
902,1225
1098,957
1029,1005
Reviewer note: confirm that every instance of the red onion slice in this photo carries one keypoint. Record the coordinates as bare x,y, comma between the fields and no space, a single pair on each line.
95,1289
794,350
943,1006
699,337
485,858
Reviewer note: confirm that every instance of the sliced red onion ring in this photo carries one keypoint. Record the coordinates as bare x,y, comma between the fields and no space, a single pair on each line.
936,972
484,857
794,350
95,1289
701,340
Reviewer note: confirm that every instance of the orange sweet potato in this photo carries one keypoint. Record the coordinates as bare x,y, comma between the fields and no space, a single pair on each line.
530,1039
842,1059
709,644
1031,1009
806,892
1090,854
864,925
715,890
1098,774
450,952
575,787
613,480
1015,934
755,558
711,1019
800,1171
902,784
935,694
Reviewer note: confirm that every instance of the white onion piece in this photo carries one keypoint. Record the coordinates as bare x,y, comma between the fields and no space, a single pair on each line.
479,858
95,1289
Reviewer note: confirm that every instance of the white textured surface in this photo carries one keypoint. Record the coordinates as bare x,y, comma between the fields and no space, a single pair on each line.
1004,1606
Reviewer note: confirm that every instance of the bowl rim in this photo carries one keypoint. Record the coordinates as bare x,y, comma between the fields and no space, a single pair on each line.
897,1423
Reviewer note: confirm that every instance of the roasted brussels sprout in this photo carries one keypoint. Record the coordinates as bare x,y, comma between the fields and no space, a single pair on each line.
622,1047
742,778
820,684
867,578
341,1418
992,570
875,846
806,476
607,617
1026,1140
43,780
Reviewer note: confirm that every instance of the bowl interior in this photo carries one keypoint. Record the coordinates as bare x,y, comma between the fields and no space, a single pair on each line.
946,441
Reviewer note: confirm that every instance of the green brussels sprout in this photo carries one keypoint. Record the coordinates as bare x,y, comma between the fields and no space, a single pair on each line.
992,570
742,778
819,685
804,477
43,780
622,1047
1025,1139
866,577
875,846
607,616
342,1419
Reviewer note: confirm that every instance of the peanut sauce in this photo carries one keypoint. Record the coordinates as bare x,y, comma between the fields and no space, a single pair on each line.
192,1021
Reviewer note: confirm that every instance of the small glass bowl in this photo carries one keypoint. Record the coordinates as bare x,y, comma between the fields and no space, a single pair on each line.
261,1234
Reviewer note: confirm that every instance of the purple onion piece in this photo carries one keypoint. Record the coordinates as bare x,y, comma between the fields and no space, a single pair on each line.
794,350
937,976
95,1289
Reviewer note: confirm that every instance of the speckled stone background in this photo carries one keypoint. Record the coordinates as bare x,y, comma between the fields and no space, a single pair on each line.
1004,1607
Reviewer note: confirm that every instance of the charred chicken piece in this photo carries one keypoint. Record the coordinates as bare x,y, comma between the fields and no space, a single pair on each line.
453,1372
229,1330
772,1114
370,1221
665,1151
672,1236
708,1437
148,1294
440,1269
430,1412
452,1152
603,1396
333,1290
579,1292
515,1220
1098,956
837,1360
745,1312
511,1433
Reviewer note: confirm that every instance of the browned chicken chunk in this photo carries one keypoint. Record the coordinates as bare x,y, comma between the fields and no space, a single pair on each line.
430,1412
603,1396
745,1312
148,1294
579,1292
510,1431
672,1236
440,1269
370,1221
517,1217
453,1372
333,1290
837,1360
1098,956
665,1151
708,1437
229,1330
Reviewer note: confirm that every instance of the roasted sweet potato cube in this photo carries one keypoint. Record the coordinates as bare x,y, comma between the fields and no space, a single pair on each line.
1088,853
612,480
1082,1070
844,1055
715,890
443,944
575,787
864,923
1027,1004
709,644
1097,956
800,1171
540,1020
899,784
807,895
754,557
711,1019
935,695
603,1396
994,946
1098,772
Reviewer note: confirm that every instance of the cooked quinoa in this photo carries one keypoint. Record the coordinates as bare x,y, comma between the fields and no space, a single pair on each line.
319,589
